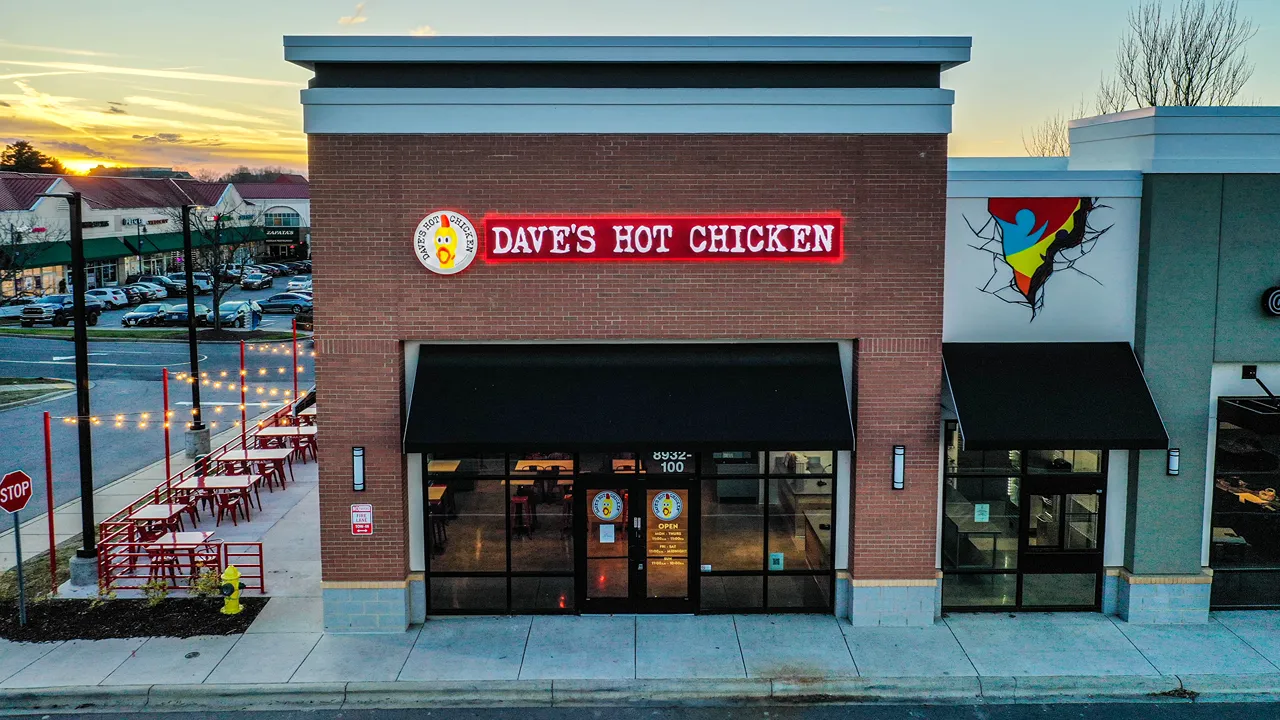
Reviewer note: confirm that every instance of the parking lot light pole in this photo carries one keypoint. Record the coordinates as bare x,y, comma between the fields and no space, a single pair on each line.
84,566
198,434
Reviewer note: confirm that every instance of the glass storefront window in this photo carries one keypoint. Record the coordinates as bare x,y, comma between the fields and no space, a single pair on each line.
978,461
505,534
745,462
733,524
800,524
808,462
607,463
1245,543
979,590
469,531
1064,461
980,520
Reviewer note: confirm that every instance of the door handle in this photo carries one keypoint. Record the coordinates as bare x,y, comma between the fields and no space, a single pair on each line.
635,522
640,566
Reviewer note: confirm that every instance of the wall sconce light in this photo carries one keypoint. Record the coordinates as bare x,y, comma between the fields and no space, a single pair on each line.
1172,461
357,469
899,466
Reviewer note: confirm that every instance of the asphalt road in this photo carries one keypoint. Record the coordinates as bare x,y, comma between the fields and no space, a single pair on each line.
126,379
1126,711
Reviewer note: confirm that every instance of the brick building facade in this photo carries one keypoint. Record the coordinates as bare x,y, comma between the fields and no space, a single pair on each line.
373,180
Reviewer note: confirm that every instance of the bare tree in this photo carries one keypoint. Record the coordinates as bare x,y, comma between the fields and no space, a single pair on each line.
1197,54
206,175
1050,138
221,231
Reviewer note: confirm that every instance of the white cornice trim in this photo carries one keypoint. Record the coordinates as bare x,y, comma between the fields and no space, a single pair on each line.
946,52
613,110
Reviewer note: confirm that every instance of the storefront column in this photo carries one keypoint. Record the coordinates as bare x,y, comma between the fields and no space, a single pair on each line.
365,583
1163,580
893,565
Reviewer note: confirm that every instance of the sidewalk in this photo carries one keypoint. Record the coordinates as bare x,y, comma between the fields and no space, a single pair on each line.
285,660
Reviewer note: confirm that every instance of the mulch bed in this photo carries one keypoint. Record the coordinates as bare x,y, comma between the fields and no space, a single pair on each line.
54,620
270,335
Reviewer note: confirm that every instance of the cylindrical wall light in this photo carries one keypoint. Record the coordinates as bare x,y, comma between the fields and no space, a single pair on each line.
357,469
1172,461
899,466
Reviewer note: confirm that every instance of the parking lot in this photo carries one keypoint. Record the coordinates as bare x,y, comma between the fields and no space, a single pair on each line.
270,321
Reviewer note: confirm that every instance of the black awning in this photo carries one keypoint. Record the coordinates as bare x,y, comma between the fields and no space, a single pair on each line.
472,398
1051,396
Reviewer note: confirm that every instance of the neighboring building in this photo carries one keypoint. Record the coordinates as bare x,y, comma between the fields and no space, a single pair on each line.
133,226
1156,234
283,210
608,435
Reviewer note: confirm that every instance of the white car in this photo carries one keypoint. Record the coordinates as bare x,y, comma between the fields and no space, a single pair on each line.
112,298
300,282
12,307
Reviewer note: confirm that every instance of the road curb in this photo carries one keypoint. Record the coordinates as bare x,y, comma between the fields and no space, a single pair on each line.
301,696
681,693
124,697
480,693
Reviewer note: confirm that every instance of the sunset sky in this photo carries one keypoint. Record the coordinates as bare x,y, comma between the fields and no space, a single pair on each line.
201,85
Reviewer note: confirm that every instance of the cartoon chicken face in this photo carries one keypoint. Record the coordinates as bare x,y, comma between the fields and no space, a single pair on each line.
446,244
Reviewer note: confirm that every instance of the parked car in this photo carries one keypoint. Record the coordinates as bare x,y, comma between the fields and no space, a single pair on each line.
145,314
150,291
296,266
300,282
203,286
177,315
306,320
60,310
286,303
234,312
174,288
256,281
12,307
277,270
132,293
111,298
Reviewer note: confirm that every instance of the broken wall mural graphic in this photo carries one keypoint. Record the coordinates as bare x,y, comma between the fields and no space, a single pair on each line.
1032,239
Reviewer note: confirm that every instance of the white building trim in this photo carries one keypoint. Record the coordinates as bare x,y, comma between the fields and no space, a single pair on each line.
1179,140
627,110
946,52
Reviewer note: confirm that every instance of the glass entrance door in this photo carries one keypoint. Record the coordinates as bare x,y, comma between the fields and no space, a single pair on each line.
636,552
1061,550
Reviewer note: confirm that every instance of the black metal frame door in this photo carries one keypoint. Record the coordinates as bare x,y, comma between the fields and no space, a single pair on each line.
681,531
633,522
1057,558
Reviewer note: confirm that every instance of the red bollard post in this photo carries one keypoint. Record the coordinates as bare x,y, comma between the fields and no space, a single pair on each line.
243,379
168,472
295,371
48,488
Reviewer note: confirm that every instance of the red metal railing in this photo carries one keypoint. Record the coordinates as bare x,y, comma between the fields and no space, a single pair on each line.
121,553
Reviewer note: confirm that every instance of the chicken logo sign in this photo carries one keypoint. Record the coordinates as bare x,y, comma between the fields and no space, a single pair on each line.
667,505
607,506
445,242
1035,238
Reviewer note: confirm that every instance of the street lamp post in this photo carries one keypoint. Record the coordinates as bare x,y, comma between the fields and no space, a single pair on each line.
198,435
84,566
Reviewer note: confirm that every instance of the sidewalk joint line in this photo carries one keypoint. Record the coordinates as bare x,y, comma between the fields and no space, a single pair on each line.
304,662
1241,639
524,652
848,648
968,659
742,655
1116,625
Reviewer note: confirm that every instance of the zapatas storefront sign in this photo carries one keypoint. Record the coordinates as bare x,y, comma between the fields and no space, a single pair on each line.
794,237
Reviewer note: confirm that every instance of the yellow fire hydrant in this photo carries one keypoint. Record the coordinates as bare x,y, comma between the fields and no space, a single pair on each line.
231,587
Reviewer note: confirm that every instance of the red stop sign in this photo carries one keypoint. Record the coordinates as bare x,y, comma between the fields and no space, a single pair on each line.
15,491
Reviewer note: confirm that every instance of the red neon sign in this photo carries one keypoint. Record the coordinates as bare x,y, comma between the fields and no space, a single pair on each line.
813,237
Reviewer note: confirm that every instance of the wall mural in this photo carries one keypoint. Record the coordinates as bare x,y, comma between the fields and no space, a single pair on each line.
1031,239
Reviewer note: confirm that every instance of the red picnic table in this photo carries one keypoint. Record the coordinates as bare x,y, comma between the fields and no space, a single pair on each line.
163,553
230,484
299,437
166,515
268,462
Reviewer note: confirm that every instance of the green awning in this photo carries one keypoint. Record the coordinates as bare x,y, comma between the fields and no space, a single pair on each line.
45,254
